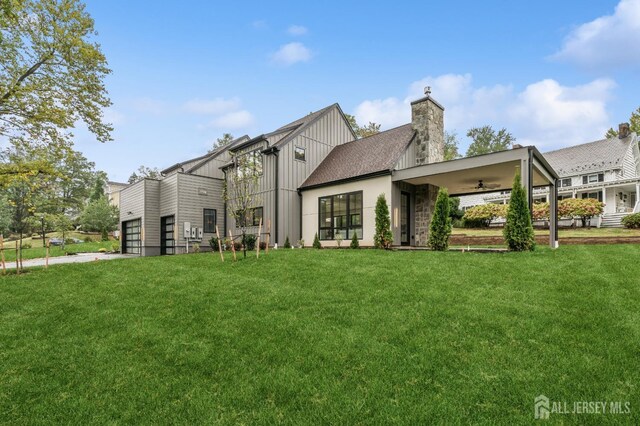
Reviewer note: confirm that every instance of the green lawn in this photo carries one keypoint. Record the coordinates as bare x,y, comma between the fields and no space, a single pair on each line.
331,336
55,251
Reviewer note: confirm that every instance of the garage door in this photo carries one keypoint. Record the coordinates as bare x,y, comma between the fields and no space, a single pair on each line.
167,243
131,235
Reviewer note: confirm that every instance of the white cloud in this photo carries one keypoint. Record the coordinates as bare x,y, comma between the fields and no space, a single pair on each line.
291,53
609,41
233,120
297,30
545,113
212,107
259,24
150,106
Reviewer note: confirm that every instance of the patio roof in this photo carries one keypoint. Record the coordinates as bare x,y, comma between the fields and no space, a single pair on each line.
496,170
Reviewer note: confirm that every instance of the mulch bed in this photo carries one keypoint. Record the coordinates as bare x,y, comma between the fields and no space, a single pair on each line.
462,240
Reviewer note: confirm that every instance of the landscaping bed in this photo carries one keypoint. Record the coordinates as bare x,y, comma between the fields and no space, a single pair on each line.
472,240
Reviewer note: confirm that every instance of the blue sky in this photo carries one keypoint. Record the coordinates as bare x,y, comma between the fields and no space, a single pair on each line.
553,73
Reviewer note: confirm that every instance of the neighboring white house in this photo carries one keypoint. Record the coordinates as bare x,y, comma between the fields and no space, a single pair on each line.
607,170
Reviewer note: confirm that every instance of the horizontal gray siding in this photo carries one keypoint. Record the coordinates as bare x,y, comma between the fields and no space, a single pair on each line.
196,193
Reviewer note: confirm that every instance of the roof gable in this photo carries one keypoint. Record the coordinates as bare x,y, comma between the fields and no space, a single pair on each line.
362,157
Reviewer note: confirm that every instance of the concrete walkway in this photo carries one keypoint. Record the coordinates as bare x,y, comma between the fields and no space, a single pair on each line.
78,258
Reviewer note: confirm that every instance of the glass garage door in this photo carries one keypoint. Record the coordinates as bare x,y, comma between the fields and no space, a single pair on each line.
167,242
131,235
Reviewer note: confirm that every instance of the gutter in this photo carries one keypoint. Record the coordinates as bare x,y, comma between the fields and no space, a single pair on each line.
349,179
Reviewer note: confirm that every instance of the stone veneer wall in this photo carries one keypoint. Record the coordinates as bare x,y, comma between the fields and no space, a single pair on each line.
425,203
427,119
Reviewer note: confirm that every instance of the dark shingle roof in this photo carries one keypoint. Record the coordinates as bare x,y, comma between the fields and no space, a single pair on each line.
605,154
377,153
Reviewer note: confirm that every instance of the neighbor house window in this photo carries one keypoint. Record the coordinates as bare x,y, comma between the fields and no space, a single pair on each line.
340,215
565,182
599,177
252,218
594,195
299,154
209,220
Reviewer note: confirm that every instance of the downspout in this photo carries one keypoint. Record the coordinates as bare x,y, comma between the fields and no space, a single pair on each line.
277,191
300,199
530,182
224,231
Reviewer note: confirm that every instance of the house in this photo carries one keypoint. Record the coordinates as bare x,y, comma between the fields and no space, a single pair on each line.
406,165
168,215
607,170
315,177
112,191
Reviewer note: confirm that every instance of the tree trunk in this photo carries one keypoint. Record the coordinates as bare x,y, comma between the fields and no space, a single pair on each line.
244,244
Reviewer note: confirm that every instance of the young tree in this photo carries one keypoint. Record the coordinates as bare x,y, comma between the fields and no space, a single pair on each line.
316,242
52,72
518,230
451,145
383,237
144,172
226,139
485,140
355,244
100,216
440,227
241,189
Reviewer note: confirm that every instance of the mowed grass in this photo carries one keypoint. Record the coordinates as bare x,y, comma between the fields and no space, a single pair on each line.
323,337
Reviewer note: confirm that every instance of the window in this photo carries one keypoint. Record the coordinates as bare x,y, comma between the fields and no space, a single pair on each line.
594,195
299,154
340,215
565,182
209,220
252,218
249,163
586,179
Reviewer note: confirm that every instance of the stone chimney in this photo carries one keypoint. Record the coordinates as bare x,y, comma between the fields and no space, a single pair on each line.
427,119
623,130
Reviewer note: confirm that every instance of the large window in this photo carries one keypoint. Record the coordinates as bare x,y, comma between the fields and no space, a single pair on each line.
252,218
340,215
565,182
250,163
209,221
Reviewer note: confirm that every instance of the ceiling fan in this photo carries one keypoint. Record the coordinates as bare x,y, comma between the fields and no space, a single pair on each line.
485,186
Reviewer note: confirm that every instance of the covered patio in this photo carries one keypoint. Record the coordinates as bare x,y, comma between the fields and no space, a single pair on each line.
477,175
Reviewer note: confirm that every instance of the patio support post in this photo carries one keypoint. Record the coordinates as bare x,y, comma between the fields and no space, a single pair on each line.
526,171
637,197
553,214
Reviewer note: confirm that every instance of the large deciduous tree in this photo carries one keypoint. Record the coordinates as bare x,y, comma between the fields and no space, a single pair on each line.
51,71
362,131
451,146
144,172
486,140
99,216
